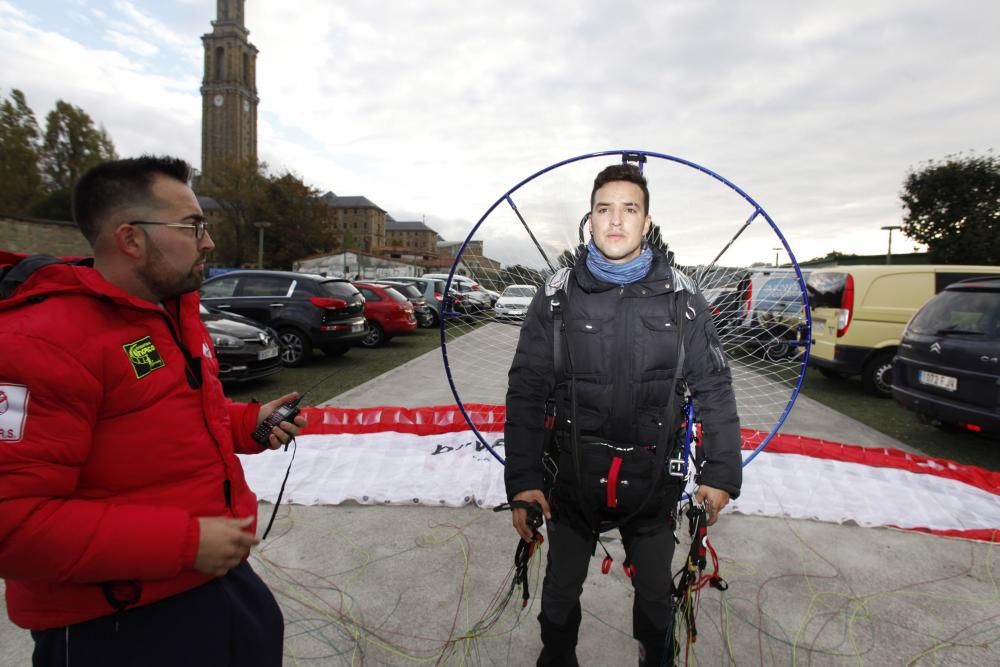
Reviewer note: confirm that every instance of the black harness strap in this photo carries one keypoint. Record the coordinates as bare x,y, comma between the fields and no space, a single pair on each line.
665,430
12,277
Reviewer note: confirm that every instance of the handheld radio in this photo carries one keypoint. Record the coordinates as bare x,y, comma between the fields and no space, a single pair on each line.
284,413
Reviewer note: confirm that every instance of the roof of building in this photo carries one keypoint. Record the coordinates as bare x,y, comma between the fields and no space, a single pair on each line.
336,201
406,226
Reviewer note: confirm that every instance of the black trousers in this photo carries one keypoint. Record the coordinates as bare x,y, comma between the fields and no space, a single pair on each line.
649,548
233,620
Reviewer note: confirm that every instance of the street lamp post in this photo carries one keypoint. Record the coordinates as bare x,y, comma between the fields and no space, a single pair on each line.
888,255
776,251
260,242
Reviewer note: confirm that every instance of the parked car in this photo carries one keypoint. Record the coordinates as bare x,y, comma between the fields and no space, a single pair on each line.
388,313
244,349
433,290
514,301
423,312
308,311
948,366
727,293
859,313
472,293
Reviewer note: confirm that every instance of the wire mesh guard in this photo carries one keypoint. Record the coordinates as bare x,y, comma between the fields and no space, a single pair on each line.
718,236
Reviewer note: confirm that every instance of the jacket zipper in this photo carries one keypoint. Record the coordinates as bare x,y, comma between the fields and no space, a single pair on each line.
227,486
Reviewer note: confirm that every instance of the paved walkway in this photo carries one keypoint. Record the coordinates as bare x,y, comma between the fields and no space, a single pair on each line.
407,585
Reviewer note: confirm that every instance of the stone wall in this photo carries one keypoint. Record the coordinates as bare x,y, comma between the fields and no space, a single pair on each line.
50,237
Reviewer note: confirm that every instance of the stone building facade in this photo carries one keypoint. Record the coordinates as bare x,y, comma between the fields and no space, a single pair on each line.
49,237
358,222
411,236
228,91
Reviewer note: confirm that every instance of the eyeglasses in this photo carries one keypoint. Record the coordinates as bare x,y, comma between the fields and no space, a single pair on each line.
199,227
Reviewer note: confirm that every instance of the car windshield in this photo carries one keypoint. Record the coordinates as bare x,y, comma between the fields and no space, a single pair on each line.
519,291
971,312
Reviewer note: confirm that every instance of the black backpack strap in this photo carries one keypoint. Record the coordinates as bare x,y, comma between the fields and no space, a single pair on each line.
11,277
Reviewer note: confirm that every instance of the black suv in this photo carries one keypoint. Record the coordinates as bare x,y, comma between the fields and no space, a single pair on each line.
947,369
307,310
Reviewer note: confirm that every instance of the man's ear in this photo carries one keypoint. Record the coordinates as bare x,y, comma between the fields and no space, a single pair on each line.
129,241
648,225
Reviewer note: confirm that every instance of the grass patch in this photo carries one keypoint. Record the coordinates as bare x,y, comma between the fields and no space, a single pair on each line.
846,395
337,375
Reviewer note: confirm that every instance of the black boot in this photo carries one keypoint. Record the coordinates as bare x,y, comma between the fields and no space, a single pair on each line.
656,647
559,641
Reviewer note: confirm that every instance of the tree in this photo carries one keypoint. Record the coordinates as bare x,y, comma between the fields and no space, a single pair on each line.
20,178
72,146
246,194
954,208
239,188
300,221
567,259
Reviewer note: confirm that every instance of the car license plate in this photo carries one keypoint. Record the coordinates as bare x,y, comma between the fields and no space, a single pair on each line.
517,312
945,382
358,326
269,353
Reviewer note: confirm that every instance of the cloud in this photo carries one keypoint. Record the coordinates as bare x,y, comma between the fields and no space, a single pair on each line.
438,108
131,43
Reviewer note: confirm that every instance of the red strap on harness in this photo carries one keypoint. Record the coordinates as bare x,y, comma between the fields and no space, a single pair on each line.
616,466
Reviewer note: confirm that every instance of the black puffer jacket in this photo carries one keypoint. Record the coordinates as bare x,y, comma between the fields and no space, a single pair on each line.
623,345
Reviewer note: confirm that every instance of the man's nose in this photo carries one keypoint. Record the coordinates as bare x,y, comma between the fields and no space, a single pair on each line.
207,244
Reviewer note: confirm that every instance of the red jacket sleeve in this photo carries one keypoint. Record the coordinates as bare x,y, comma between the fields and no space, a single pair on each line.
243,417
47,534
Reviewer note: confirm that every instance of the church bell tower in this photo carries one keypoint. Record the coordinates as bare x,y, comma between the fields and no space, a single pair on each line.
228,91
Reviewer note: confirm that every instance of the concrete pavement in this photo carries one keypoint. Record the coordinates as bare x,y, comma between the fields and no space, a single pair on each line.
380,585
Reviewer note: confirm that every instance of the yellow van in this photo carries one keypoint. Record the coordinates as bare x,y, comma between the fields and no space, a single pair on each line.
859,313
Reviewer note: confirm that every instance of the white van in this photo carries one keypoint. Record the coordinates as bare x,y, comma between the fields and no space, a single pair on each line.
859,313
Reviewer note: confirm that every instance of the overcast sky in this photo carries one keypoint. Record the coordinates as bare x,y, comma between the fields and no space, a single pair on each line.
437,108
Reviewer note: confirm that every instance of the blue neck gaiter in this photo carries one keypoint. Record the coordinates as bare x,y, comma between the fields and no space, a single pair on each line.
618,274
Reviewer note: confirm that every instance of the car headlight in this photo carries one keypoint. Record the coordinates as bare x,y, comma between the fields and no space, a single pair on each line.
227,342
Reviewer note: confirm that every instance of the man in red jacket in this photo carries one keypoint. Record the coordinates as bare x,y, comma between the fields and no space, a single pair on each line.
125,518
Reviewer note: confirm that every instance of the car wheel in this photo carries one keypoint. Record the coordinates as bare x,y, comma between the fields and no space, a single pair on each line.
775,345
295,347
876,377
375,336
335,350
435,320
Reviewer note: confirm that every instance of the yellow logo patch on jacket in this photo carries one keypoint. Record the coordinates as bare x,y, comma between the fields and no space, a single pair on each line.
143,356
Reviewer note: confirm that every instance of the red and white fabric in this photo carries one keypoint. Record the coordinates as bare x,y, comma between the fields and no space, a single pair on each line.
430,456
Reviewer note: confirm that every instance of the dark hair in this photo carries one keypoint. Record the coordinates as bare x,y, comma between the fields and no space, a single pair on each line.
118,183
621,172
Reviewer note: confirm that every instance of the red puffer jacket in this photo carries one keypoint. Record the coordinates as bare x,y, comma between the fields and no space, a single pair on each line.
115,437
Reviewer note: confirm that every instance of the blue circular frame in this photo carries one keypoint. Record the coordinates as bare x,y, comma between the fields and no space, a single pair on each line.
758,212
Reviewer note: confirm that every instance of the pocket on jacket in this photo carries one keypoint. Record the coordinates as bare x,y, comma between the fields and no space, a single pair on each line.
657,345
586,340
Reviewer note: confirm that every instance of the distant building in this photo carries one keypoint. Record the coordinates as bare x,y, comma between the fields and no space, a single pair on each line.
358,222
228,91
452,248
410,237
355,265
